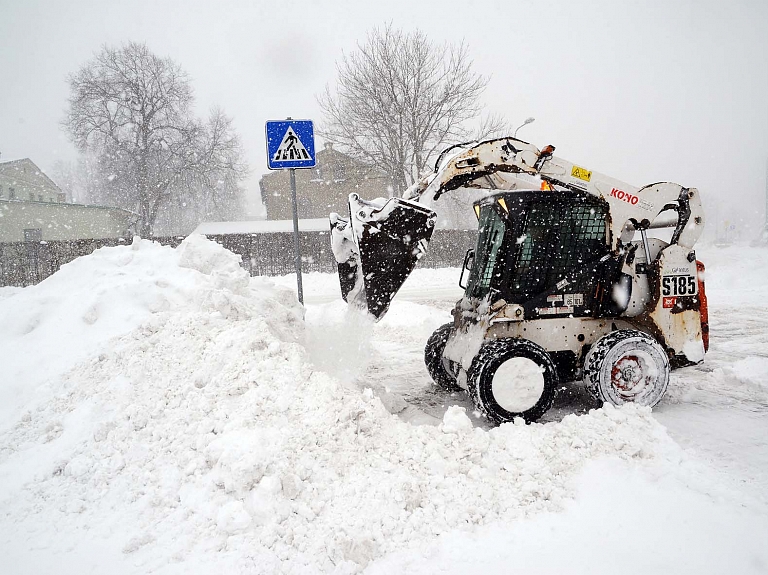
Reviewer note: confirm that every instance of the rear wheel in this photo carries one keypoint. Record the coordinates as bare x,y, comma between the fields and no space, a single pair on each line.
627,366
433,358
512,378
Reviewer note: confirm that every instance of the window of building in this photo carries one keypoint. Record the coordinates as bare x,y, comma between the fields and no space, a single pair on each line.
31,197
40,197
339,173
33,235
318,177
11,194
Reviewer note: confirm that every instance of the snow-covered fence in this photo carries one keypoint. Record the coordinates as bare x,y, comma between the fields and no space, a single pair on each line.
270,254
447,248
27,263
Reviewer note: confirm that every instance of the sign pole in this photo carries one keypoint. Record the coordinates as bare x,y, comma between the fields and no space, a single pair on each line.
291,145
297,244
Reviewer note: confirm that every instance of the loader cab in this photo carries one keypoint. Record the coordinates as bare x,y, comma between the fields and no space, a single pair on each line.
536,244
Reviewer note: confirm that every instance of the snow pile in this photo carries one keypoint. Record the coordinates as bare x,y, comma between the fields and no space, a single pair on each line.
73,314
621,522
202,437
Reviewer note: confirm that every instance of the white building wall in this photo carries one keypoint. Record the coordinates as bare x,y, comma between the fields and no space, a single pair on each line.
62,221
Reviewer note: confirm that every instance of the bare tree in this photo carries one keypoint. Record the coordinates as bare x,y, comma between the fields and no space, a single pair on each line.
400,99
210,189
132,109
68,176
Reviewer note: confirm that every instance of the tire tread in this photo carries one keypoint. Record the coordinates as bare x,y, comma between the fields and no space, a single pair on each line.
505,348
433,358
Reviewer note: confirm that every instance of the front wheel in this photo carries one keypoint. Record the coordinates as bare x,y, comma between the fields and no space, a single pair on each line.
512,378
627,366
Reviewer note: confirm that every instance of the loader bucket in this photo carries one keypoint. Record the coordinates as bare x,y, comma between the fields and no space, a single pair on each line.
347,258
377,249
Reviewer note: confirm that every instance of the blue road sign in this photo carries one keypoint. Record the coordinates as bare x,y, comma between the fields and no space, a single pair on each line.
290,144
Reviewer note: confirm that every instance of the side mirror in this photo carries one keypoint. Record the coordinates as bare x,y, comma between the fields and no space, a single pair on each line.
469,259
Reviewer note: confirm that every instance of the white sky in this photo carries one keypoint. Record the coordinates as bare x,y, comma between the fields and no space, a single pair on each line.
641,90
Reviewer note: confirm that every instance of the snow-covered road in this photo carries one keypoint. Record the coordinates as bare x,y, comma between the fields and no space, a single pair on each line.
161,412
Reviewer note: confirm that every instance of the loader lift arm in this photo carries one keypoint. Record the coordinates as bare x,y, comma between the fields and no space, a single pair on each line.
479,165
379,245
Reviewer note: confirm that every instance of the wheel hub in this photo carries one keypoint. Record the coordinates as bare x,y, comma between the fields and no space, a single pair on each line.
518,384
627,366
628,375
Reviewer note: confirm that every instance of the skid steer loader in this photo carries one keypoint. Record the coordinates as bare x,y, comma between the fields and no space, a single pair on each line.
565,279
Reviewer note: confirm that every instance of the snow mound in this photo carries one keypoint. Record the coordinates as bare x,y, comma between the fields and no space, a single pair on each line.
201,436
74,314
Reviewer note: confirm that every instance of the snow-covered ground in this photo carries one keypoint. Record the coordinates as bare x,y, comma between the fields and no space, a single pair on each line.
161,412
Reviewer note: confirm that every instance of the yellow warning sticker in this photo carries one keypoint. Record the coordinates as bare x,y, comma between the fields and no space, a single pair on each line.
581,173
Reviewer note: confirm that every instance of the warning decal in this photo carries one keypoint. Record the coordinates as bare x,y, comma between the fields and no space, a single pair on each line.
581,173
290,148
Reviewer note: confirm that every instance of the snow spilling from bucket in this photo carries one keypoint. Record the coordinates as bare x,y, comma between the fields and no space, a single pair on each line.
194,428
341,343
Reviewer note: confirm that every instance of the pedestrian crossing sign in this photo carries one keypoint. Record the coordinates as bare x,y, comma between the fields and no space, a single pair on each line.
290,144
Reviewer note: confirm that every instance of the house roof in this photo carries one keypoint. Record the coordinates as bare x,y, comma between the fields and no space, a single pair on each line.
262,227
7,163
67,205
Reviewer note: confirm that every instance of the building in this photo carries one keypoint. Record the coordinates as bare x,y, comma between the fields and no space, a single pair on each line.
322,189
33,208
23,180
